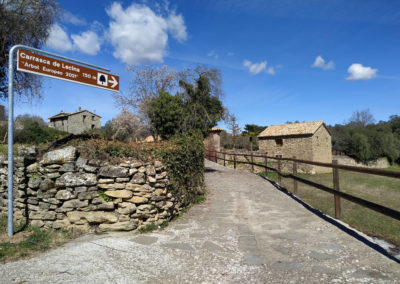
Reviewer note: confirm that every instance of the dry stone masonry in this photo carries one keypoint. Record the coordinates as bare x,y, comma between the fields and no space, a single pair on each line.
65,191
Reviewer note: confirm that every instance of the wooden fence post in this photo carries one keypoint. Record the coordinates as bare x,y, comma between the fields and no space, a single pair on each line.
266,165
224,158
234,160
279,170
336,186
295,181
252,161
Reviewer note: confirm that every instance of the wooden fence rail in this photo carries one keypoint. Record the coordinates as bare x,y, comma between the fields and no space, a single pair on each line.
213,156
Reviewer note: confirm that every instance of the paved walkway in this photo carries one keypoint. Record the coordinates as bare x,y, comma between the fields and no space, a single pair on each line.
246,232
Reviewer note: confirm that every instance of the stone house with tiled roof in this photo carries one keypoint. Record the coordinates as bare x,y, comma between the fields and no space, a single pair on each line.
75,122
306,140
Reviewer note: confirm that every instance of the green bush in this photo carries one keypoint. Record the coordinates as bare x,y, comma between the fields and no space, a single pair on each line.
37,134
360,147
165,113
184,160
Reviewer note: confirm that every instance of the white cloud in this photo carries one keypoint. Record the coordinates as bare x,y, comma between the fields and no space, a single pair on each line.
87,42
271,70
68,17
58,39
213,54
230,53
176,26
319,62
255,68
359,72
139,35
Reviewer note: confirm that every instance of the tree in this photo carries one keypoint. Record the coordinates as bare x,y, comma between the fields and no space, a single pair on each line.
24,22
362,118
390,146
127,125
108,130
165,113
231,122
213,75
147,82
202,107
360,147
253,129
24,119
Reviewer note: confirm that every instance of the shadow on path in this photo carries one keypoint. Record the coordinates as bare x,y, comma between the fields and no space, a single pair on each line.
210,170
334,222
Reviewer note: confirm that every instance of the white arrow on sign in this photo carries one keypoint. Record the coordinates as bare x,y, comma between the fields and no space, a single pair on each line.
113,81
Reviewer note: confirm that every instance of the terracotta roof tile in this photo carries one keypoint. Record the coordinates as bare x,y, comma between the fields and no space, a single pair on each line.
302,128
216,128
63,114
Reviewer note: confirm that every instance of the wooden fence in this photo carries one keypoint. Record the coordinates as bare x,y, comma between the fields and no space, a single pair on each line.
337,194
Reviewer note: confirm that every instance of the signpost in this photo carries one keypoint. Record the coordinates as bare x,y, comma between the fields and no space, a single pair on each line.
53,67
48,64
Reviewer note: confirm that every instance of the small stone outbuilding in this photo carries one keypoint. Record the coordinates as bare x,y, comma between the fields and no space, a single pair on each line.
213,140
75,122
306,140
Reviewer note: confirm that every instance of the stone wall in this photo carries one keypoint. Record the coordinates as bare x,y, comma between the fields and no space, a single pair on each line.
380,163
63,190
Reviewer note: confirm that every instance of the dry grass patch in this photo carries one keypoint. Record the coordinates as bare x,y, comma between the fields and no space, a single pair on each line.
29,240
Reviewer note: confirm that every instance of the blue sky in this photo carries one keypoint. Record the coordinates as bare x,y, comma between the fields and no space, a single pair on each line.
281,60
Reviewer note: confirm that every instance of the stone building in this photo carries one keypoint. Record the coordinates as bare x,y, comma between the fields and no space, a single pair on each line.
306,140
75,122
213,140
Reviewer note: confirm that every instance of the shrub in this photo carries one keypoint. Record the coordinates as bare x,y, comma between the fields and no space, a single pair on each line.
184,160
33,132
360,147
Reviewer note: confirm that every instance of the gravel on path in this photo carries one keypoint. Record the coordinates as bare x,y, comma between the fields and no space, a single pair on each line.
245,232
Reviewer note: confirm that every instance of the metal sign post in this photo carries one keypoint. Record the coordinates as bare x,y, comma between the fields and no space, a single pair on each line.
54,67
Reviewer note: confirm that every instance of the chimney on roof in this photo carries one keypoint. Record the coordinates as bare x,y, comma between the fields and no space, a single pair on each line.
79,109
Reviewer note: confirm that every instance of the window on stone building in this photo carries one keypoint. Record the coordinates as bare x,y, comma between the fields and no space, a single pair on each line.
279,142
92,117
83,118
92,126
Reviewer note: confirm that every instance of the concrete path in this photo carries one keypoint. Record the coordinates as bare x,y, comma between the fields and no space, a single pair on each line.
246,232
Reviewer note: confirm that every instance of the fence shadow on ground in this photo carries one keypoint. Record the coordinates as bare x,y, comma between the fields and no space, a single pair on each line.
334,222
209,170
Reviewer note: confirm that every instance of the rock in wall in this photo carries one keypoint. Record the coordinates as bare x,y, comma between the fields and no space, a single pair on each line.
63,190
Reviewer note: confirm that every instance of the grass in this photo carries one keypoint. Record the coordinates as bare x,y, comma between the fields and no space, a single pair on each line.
164,224
105,197
148,228
271,175
199,199
381,190
28,240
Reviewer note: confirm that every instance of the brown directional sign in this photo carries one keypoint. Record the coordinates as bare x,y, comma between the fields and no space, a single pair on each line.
51,67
